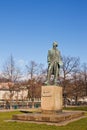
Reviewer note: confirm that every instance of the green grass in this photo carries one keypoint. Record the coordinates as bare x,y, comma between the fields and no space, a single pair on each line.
81,108
77,125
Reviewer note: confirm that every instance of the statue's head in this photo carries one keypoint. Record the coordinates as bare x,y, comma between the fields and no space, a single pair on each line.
55,44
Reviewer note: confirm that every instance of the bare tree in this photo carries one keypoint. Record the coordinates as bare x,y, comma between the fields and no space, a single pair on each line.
12,74
70,65
36,71
31,69
10,71
79,87
74,78
84,78
76,86
41,73
35,74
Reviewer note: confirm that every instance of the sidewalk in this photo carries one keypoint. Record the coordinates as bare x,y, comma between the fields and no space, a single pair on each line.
8,110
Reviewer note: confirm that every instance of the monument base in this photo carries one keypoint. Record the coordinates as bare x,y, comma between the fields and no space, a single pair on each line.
51,108
51,99
51,111
48,118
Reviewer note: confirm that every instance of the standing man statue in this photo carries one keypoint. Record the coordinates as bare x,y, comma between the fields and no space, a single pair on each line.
54,63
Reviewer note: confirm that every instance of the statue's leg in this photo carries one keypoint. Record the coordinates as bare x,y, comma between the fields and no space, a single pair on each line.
56,74
48,77
49,74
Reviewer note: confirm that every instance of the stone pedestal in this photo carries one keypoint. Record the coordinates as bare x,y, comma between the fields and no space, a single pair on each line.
51,103
51,99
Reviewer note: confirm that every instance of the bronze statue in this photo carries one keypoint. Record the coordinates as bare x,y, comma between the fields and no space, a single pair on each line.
54,63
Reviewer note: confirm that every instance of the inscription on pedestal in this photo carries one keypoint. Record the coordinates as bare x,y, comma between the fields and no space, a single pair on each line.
46,93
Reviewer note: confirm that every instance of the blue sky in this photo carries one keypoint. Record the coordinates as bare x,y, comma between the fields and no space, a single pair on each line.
29,27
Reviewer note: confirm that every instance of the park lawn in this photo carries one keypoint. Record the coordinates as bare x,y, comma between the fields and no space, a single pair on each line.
78,108
4,125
